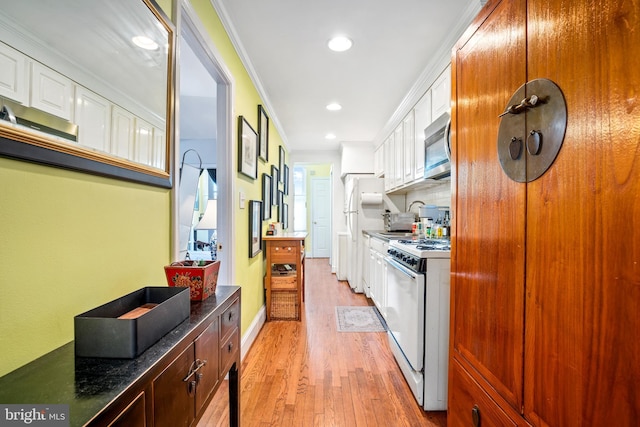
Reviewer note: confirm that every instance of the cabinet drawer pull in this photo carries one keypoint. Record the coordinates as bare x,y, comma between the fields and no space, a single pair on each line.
475,416
195,366
230,316
230,347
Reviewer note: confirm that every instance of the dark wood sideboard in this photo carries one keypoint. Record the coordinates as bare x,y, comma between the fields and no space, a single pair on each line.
158,388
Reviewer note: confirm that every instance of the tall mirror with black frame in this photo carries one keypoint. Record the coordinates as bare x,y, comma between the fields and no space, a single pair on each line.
86,85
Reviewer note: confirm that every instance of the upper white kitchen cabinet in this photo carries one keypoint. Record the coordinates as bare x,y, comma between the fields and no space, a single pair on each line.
408,135
159,148
398,146
378,161
50,91
422,117
123,126
389,163
441,94
14,74
143,141
93,117
356,157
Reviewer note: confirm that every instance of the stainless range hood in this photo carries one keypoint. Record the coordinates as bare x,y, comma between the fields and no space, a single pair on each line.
33,118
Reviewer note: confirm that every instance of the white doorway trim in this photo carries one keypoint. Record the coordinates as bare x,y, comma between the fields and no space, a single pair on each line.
191,28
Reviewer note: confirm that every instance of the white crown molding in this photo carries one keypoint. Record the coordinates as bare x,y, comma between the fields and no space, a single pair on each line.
435,67
253,75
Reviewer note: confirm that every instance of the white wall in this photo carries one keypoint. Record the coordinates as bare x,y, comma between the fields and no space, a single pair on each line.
337,190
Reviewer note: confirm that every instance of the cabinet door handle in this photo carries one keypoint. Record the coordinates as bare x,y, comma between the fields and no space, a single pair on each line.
230,316
230,347
195,367
191,388
475,416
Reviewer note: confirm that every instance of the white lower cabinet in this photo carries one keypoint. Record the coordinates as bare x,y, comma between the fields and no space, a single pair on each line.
378,274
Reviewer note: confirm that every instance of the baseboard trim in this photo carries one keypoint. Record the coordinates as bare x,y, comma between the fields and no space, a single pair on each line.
252,332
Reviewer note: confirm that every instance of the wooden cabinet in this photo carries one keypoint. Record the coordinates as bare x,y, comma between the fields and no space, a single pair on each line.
389,163
544,306
398,156
170,384
284,279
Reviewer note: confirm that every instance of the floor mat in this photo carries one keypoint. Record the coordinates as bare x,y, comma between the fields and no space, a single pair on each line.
359,319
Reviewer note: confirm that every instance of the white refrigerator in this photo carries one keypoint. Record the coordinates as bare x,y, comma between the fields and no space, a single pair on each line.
364,207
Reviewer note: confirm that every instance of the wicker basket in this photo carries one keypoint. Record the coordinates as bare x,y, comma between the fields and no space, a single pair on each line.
284,305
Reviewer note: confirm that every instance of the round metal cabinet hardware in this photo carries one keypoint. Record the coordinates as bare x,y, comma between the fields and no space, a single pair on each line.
541,111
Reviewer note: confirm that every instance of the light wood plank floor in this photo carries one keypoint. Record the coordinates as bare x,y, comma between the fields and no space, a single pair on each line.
308,374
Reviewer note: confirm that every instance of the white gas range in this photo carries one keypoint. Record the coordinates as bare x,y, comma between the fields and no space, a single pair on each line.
418,315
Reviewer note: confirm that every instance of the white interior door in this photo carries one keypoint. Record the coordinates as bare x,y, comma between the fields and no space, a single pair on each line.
320,218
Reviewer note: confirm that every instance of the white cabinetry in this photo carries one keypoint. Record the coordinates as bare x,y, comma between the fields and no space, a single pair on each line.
366,270
143,142
92,115
51,92
13,75
389,163
122,133
378,161
378,276
159,148
441,94
398,173
422,117
408,144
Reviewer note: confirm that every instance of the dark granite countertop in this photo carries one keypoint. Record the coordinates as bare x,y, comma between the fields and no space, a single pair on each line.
88,385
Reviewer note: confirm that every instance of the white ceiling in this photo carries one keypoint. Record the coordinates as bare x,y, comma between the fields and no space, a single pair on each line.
397,45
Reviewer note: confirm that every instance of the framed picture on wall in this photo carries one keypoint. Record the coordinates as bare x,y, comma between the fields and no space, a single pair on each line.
280,206
281,178
275,176
286,180
255,228
285,216
263,133
267,189
247,149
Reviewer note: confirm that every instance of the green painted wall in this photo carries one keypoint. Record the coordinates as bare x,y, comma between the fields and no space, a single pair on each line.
72,241
249,271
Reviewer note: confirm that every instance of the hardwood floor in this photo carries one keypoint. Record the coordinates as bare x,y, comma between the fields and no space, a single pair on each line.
308,374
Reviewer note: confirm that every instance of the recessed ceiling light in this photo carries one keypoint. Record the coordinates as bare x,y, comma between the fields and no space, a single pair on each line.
340,43
144,42
330,136
334,106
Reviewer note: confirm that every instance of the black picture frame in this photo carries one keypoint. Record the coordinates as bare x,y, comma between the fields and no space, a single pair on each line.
275,177
267,191
280,206
247,149
263,134
255,228
281,164
286,180
285,216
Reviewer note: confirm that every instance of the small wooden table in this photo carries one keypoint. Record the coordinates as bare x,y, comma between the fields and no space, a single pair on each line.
284,281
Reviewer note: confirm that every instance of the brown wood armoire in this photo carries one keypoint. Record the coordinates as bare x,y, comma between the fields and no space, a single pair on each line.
545,287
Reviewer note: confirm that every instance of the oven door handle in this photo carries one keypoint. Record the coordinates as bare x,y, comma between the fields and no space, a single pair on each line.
404,270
